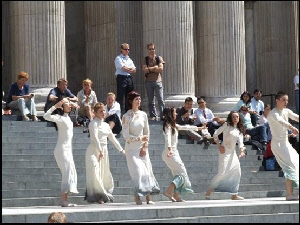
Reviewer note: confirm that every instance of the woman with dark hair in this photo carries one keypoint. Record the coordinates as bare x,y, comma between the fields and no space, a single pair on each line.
136,134
63,150
99,181
229,169
181,183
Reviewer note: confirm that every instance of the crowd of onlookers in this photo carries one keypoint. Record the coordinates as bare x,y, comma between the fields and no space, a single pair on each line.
252,109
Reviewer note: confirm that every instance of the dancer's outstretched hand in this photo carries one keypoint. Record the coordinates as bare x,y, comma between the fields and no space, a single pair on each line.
295,130
241,154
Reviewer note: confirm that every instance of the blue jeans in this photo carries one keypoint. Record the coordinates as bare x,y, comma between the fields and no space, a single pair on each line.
297,100
259,131
25,106
153,87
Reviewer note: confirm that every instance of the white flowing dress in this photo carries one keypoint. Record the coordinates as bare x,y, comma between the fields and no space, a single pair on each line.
174,162
99,181
135,124
63,151
286,156
229,169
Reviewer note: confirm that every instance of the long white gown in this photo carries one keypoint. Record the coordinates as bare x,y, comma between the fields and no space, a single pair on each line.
99,181
174,162
63,151
286,156
135,124
229,169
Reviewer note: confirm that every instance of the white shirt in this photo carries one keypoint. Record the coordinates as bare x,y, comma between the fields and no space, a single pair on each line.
296,81
122,60
200,117
82,98
115,109
257,105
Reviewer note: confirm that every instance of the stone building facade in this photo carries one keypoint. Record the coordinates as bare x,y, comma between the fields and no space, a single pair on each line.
211,48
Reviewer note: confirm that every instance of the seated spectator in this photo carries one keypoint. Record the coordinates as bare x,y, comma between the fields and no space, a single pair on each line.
256,105
58,93
86,100
113,113
258,133
57,217
19,98
246,100
263,120
185,116
205,116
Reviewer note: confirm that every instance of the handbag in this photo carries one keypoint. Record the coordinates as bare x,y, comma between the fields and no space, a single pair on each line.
270,163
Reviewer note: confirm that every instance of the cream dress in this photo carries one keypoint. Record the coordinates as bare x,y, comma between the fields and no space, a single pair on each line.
63,151
174,162
99,181
286,156
135,124
229,169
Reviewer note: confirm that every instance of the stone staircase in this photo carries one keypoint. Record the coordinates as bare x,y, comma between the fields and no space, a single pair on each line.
31,183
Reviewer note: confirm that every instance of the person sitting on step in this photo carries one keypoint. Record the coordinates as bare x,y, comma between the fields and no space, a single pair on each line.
20,99
113,113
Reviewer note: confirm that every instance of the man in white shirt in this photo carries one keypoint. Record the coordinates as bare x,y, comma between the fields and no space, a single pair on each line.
113,113
257,105
205,116
296,82
124,68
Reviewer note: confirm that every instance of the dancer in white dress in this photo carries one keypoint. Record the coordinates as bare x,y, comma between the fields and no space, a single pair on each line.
63,150
229,169
181,183
286,156
99,181
136,133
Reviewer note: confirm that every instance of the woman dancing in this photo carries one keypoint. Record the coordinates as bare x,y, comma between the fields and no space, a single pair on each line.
63,150
99,181
286,156
136,134
180,183
229,169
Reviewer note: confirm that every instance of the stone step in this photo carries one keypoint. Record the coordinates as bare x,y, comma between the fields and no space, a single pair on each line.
79,199
252,218
161,210
80,162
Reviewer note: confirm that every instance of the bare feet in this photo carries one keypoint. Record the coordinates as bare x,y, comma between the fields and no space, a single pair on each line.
292,198
235,197
177,198
148,200
137,200
169,196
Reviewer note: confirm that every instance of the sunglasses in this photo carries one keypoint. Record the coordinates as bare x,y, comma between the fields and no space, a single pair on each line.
126,49
151,49
200,102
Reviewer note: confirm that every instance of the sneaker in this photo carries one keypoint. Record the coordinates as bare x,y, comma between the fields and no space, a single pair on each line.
237,198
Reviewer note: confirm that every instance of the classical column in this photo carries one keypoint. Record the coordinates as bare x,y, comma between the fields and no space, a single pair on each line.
37,30
221,67
169,25
276,31
250,47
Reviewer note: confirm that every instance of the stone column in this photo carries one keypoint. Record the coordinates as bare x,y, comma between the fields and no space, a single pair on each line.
277,53
221,67
169,25
37,31
107,26
250,47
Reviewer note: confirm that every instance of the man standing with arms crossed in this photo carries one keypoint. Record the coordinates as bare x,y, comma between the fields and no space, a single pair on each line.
152,68
124,68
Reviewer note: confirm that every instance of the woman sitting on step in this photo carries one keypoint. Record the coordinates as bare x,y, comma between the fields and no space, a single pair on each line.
181,183
63,149
99,181
18,98
229,169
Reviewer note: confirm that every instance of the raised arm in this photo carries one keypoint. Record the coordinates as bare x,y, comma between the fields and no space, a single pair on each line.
293,115
279,120
53,118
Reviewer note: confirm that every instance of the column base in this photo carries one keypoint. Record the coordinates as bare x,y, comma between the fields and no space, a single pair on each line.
221,106
40,97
